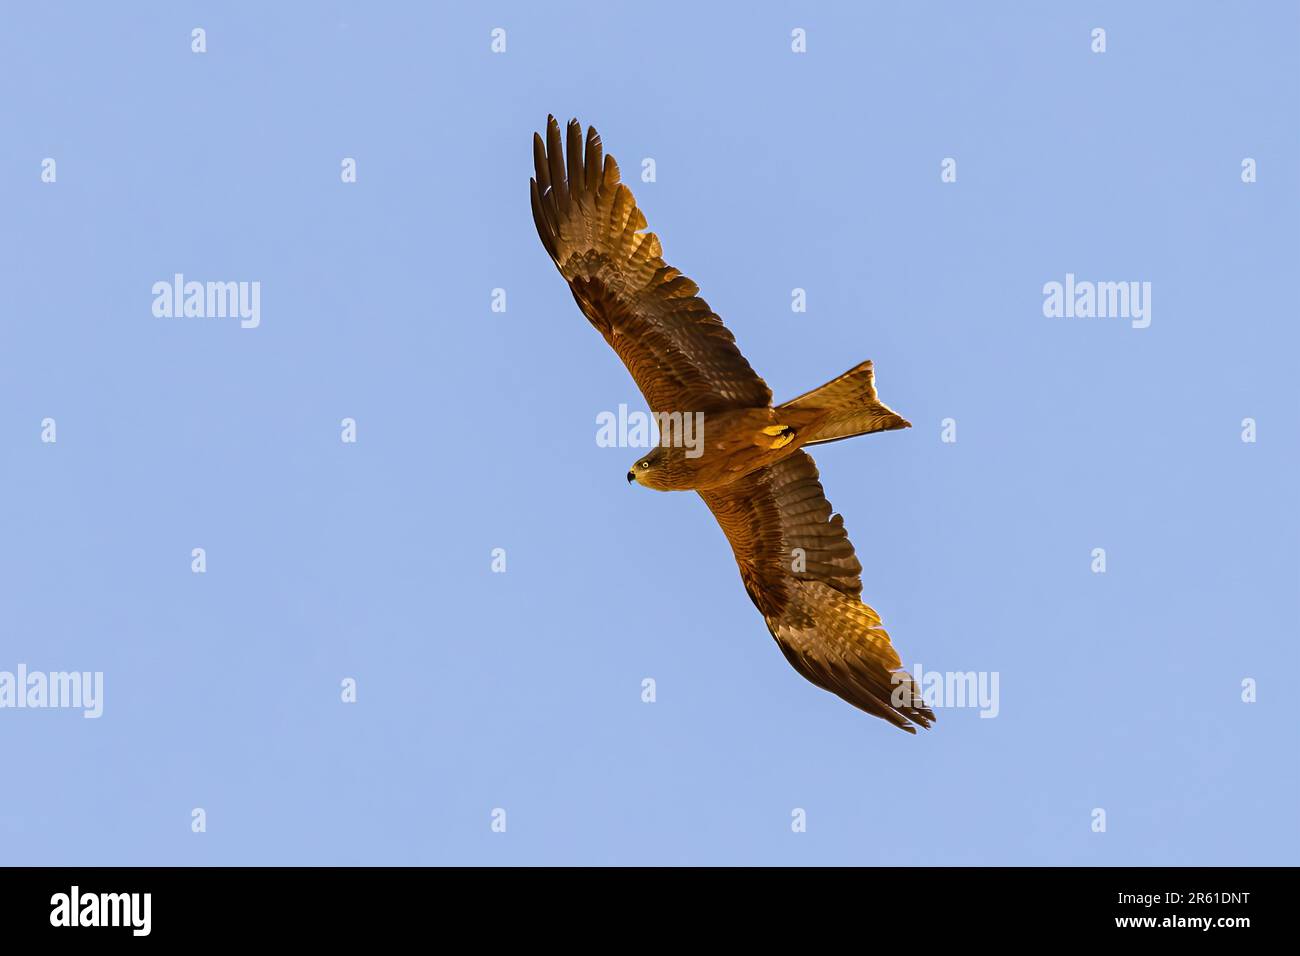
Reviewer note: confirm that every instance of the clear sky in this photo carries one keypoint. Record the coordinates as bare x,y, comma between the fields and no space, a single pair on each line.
774,170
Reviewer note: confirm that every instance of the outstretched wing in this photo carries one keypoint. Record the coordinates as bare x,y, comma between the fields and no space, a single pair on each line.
801,572
680,354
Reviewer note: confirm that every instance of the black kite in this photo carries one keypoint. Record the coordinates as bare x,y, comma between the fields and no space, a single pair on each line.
795,558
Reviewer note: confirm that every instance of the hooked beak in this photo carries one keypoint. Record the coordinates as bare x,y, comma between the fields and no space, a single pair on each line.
631,477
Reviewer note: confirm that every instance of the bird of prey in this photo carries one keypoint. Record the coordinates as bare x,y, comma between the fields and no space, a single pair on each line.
751,469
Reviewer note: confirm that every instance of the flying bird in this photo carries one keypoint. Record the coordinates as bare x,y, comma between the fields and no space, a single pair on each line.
795,558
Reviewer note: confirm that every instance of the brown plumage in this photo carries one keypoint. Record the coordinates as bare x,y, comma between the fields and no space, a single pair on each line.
795,559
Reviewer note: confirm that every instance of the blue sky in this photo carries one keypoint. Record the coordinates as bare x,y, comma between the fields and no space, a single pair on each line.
476,430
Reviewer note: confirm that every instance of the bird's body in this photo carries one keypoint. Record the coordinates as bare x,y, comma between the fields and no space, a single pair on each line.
728,445
748,462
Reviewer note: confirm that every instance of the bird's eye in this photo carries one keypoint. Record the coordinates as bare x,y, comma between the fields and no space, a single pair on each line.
645,464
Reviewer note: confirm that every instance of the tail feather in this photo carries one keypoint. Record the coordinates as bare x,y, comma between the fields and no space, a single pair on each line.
852,407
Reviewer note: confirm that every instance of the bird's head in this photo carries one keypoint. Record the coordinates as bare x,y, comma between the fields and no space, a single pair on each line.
657,470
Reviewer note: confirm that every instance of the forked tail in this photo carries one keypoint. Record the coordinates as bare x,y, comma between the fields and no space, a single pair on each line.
852,407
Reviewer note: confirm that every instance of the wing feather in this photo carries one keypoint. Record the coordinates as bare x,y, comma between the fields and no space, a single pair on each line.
802,573
679,353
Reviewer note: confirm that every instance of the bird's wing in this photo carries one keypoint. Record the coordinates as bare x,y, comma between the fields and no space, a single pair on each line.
680,354
801,572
